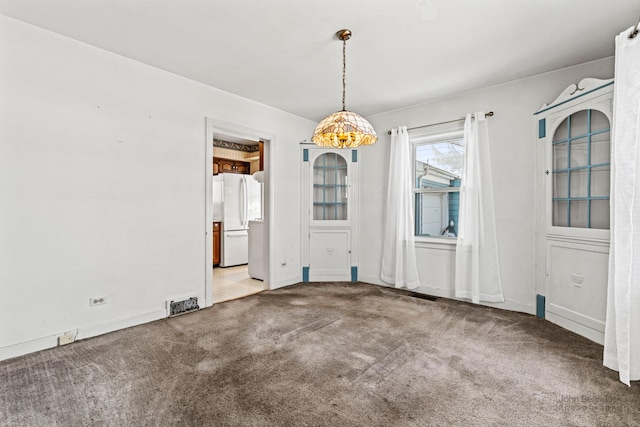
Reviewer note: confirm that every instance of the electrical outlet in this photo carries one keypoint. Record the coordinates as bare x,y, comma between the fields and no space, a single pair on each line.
97,301
67,338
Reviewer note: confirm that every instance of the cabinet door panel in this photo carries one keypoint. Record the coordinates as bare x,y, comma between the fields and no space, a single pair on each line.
330,255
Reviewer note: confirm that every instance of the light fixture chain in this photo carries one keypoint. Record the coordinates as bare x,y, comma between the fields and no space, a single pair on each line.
344,72
344,129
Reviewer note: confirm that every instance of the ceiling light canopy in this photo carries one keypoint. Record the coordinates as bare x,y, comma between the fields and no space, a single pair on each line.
344,129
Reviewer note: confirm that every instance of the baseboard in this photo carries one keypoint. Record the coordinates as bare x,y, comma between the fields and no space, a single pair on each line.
585,331
574,316
125,322
330,278
512,306
423,289
576,322
27,347
449,293
84,332
373,280
285,282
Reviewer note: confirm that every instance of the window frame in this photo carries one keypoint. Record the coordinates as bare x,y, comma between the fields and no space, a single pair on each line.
422,136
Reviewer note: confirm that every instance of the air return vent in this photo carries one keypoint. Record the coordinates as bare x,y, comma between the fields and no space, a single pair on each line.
175,308
422,296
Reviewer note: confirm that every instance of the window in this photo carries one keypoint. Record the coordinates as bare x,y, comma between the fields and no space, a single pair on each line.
438,161
581,176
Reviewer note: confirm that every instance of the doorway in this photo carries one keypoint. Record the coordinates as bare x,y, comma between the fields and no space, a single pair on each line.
232,281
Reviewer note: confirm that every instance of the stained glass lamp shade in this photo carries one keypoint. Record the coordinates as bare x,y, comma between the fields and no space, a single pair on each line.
344,129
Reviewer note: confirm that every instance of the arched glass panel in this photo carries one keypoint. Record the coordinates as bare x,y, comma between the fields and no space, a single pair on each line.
330,188
581,171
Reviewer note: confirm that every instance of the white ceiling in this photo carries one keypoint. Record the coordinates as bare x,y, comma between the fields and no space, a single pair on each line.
284,53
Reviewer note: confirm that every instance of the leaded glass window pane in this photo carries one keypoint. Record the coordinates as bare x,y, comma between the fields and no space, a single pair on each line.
581,171
330,188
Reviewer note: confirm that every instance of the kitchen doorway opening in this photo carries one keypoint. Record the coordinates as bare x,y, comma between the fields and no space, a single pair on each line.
238,219
234,282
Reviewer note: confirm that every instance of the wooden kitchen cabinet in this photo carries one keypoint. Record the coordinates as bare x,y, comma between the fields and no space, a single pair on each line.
221,165
216,243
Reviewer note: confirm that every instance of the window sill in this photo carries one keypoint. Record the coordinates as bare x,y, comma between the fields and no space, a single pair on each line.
579,235
445,243
578,239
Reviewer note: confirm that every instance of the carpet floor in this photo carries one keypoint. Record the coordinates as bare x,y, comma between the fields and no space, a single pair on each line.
323,354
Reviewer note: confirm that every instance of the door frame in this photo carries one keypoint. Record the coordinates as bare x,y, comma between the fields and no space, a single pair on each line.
215,126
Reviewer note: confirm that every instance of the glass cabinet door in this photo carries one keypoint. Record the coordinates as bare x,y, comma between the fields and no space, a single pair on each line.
581,171
330,188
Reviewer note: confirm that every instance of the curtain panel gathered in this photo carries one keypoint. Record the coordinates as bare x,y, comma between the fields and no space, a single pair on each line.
622,328
477,268
399,254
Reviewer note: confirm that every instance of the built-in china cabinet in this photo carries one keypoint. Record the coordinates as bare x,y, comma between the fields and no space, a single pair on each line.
573,181
329,179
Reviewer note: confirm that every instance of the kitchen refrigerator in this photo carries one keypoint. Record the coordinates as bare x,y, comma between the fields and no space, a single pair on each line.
237,199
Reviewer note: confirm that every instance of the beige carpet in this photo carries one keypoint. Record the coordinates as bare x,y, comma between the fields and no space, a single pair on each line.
336,354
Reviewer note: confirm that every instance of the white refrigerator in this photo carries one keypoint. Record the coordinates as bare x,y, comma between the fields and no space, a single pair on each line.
237,199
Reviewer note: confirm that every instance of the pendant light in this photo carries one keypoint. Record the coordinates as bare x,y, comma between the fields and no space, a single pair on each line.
344,129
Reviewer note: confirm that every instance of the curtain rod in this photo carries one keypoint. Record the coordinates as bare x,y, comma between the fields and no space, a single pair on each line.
489,114
634,31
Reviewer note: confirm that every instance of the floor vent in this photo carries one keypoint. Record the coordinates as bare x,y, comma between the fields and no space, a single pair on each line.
175,308
422,296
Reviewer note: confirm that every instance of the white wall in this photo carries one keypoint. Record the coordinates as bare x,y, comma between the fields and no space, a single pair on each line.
102,184
512,135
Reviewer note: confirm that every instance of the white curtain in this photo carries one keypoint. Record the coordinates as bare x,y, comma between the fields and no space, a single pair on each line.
399,253
622,330
477,267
